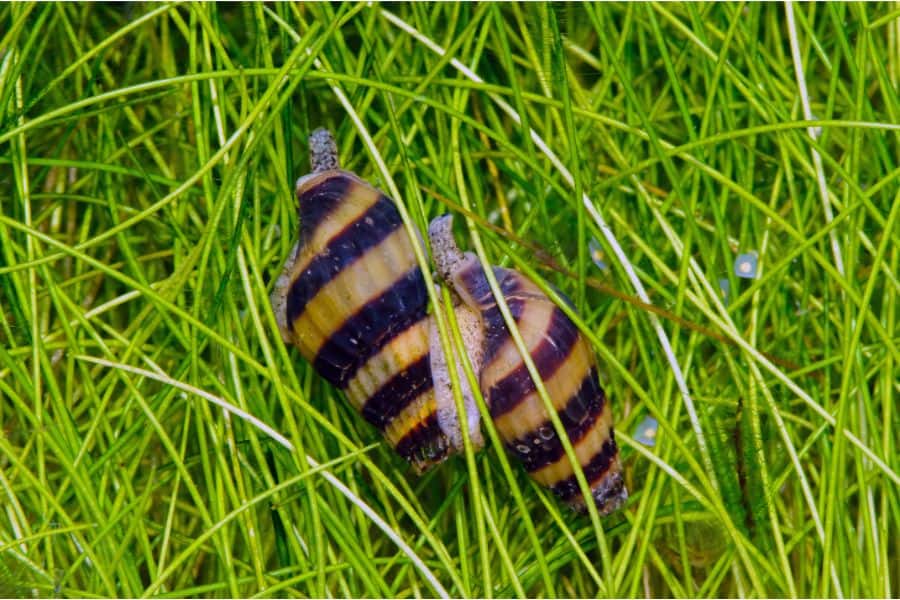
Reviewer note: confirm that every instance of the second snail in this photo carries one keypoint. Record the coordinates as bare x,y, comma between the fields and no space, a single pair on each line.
353,300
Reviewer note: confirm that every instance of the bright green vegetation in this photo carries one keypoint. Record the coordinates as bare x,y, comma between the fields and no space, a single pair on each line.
147,159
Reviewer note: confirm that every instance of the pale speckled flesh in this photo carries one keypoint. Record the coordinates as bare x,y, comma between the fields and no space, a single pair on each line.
448,417
278,297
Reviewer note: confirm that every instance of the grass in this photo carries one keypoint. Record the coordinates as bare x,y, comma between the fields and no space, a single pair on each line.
147,156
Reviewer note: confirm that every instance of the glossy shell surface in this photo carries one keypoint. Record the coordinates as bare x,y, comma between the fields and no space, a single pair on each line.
353,300
567,368
355,306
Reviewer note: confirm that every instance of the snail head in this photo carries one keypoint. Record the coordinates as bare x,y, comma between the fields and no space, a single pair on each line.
448,258
323,152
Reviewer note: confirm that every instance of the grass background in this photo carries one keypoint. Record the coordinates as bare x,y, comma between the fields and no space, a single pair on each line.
147,157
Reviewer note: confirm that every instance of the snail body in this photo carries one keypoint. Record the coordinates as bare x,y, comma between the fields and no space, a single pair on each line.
354,302
566,365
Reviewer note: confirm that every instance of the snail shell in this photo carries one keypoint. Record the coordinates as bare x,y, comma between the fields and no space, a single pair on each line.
566,365
354,302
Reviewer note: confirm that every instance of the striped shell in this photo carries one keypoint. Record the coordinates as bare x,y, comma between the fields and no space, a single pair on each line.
566,365
353,300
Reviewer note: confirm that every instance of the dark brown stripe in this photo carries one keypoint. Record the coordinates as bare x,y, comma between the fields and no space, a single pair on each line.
370,329
475,282
496,332
542,446
424,443
318,202
367,231
594,470
551,353
398,392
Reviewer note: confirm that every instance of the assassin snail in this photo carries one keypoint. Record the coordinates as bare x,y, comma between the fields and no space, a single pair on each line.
354,302
567,368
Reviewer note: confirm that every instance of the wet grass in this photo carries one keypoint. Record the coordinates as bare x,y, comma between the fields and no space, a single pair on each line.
159,439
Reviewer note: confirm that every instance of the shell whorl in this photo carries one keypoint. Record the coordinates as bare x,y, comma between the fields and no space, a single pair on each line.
323,152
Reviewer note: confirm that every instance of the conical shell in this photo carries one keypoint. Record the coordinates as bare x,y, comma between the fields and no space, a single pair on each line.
567,368
354,302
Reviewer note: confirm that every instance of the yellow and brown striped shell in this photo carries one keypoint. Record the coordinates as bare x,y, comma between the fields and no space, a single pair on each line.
353,300
566,365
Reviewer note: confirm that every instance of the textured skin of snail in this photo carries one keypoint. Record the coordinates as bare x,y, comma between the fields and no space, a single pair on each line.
566,365
353,300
